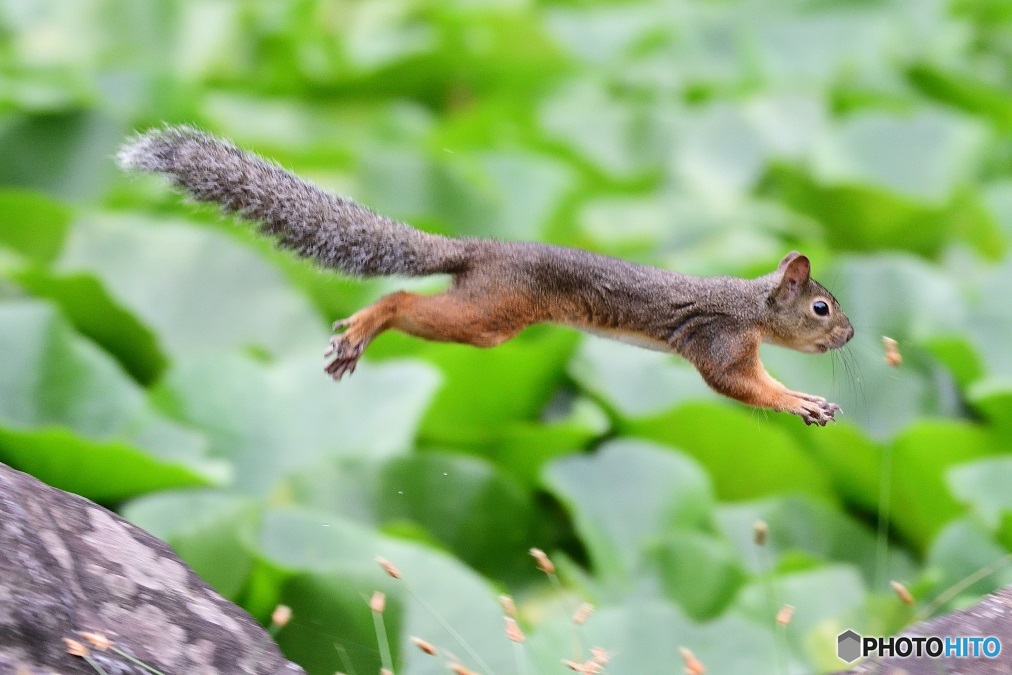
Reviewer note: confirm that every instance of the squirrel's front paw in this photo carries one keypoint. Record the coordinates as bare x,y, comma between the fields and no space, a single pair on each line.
346,351
819,411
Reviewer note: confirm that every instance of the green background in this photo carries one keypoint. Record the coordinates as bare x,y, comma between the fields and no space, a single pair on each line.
163,361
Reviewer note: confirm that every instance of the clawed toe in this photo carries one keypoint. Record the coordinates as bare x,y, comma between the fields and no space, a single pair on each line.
823,413
345,353
344,361
339,367
333,347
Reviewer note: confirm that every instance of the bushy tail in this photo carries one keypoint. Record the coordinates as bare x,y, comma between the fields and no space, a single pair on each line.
334,231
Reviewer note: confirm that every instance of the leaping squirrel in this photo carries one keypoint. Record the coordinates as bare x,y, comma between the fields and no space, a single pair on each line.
499,287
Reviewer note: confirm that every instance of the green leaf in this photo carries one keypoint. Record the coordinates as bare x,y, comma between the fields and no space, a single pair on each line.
800,49
965,562
853,462
646,636
517,380
65,154
501,195
982,485
71,417
112,470
32,224
384,33
198,289
993,398
526,447
989,322
625,497
814,528
922,456
272,420
724,439
923,300
964,91
616,136
332,630
86,303
924,155
825,600
601,34
205,528
720,156
506,195
957,354
325,569
997,199
635,382
865,217
465,504
716,574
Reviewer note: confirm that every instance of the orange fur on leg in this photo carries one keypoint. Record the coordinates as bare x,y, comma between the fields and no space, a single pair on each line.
445,317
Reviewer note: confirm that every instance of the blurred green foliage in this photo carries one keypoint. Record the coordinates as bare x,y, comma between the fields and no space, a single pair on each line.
165,362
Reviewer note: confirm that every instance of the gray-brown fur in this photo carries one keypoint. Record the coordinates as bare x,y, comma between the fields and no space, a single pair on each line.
613,296
500,288
333,231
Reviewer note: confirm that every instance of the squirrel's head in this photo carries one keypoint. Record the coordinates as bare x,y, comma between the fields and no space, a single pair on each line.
803,315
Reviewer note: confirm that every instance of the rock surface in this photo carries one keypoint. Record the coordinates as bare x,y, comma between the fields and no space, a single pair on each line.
68,565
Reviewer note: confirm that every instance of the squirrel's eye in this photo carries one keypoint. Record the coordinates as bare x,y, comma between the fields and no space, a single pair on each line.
820,308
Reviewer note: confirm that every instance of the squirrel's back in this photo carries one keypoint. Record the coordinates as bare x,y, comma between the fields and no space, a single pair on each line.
316,224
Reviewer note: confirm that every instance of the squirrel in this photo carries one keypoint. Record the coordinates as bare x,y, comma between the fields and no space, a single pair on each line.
501,287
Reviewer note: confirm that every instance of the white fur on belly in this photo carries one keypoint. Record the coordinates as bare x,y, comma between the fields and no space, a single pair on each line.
629,338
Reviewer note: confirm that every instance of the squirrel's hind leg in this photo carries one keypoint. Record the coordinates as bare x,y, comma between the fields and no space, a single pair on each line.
451,316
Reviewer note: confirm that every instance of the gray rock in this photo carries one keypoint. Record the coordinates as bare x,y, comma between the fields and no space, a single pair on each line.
68,565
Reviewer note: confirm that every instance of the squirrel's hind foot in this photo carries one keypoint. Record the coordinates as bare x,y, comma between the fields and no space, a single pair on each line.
819,412
345,351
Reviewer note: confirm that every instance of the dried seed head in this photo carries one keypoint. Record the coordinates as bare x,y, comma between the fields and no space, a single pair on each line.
902,592
692,664
388,567
785,615
425,646
281,615
461,669
378,602
97,640
892,352
513,631
76,648
508,607
759,531
544,564
600,655
582,613
386,671
573,665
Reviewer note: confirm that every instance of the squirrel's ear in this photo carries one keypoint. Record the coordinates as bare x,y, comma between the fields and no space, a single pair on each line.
786,261
796,270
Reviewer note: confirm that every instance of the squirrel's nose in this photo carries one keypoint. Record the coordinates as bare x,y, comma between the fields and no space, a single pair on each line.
850,334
